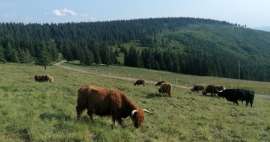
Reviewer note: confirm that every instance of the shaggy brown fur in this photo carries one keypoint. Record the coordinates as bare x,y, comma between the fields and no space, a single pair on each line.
43,78
139,82
160,83
165,88
106,102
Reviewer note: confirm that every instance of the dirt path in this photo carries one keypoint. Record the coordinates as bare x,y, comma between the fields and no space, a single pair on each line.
59,64
267,97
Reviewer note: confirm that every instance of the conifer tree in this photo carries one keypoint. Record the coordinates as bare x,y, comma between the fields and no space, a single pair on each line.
2,55
43,57
11,54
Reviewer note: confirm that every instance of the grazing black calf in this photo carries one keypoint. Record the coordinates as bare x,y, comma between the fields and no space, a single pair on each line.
235,95
139,82
197,88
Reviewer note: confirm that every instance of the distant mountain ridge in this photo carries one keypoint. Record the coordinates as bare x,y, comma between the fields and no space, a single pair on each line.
264,28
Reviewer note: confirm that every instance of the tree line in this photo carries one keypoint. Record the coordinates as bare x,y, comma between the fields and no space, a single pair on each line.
196,62
159,45
88,42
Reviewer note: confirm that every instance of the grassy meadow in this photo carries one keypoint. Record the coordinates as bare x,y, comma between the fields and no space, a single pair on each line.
179,79
45,112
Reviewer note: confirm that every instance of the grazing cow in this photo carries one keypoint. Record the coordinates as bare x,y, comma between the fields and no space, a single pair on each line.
106,102
235,95
43,78
197,88
160,83
212,89
139,82
165,88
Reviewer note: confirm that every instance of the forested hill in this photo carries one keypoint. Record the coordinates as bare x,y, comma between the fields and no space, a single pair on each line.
184,45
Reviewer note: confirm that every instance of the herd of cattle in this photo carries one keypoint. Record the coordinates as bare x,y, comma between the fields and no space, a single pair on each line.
233,95
108,102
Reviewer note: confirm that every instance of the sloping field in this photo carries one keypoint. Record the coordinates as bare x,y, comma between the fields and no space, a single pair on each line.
45,112
184,81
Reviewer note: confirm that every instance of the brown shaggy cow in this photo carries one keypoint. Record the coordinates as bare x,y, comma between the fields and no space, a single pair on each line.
160,83
213,90
139,82
165,88
43,78
106,102
197,88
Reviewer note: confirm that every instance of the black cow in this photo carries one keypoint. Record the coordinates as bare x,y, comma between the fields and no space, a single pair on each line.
213,90
235,95
197,88
139,82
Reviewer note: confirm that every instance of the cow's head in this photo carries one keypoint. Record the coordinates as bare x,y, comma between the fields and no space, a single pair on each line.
220,88
159,90
221,93
137,117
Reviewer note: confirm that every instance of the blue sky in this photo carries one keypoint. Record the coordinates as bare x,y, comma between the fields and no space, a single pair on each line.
254,13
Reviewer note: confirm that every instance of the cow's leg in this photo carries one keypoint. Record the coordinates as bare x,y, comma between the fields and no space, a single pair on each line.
169,94
247,101
235,102
79,111
212,93
113,121
120,121
90,114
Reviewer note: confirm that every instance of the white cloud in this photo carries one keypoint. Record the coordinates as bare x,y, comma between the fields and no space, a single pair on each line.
64,12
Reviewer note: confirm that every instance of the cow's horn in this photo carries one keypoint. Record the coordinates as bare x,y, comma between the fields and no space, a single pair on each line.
133,112
145,110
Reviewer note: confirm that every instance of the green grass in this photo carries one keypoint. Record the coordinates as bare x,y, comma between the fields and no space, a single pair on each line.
180,79
45,112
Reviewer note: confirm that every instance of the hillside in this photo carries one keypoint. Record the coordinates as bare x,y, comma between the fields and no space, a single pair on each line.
179,80
263,28
45,112
183,45
222,50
